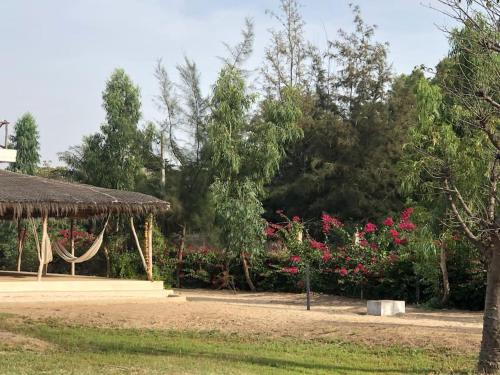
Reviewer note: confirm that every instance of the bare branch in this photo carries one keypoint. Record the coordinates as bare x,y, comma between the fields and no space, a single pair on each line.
487,98
493,190
463,224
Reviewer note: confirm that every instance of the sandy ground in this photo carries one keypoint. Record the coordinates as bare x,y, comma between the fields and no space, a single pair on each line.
271,314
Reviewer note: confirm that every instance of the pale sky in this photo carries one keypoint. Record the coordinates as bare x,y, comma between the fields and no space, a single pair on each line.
56,54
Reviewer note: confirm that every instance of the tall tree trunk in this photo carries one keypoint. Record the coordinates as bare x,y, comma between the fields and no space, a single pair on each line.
180,256
72,243
444,274
162,155
489,356
247,272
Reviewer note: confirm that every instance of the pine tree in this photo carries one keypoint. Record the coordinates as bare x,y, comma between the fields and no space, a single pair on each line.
26,142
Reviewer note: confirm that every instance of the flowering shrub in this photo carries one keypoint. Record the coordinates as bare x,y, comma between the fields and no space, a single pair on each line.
354,257
342,258
80,238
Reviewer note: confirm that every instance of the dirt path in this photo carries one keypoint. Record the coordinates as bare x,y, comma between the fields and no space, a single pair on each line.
271,314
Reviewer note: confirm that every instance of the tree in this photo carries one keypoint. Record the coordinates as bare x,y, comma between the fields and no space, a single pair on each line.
286,55
245,155
26,142
113,157
120,159
183,137
364,72
458,146
354,128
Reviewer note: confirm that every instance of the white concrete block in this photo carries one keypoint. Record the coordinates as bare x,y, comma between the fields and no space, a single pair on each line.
385,307
7,156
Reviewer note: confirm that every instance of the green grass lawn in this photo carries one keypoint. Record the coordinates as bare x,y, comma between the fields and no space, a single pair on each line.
83,350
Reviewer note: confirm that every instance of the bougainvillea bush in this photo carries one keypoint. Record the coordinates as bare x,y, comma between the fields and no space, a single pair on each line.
372,259
343,259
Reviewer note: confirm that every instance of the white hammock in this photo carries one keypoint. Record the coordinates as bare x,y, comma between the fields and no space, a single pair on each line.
89,254
43,247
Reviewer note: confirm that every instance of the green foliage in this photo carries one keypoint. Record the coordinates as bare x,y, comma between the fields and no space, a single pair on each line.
364,70
336,132
354,131
8,248
245,155
26,142
239,215
452,143
114,157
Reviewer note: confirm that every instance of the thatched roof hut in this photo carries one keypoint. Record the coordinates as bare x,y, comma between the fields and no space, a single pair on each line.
23,196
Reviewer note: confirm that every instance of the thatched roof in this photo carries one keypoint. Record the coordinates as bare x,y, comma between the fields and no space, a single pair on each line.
30,196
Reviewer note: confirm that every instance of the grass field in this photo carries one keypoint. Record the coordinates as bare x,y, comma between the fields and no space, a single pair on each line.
84,350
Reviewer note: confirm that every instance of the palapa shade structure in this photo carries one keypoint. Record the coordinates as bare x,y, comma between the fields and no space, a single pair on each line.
23,196
27,197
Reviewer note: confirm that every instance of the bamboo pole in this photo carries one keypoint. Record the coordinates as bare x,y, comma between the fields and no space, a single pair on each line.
45,225
21,235
138,245
72,242
40,248
148,246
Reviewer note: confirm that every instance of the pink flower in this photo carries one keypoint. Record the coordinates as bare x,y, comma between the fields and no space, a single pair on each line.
363,243
336,223
359,234
270,231
292,270
400,241
296,219
405,215
407,226
373,246
326,256
343,271
360,268
329,222
394,233
388,222
295,258
317,245
370,228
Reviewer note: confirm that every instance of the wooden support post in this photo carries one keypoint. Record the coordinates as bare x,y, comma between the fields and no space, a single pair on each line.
41,249
72,242
148,246
21,235
138,245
